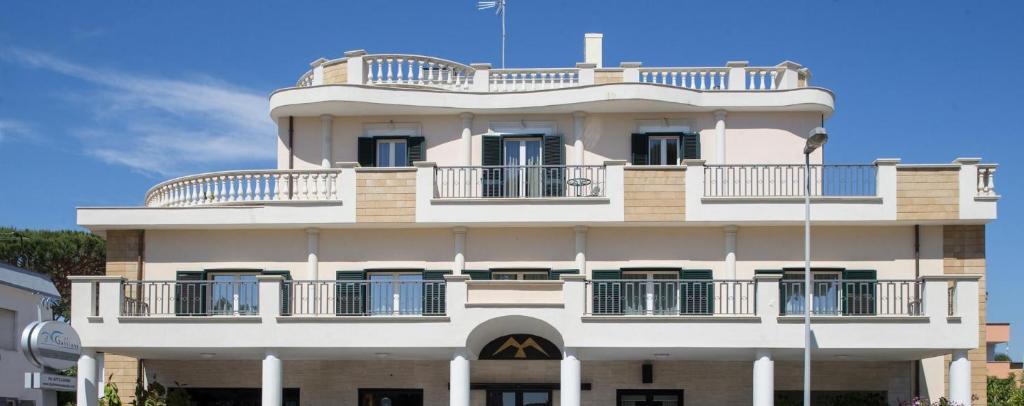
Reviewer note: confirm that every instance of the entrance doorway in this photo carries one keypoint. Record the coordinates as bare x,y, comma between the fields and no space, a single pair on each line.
649,397
518,397
390,397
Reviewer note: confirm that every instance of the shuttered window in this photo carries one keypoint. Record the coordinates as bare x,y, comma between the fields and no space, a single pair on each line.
664,148
350,293
518,172
607,292
390,151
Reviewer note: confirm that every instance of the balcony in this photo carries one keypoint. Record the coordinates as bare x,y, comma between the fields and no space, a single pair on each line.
519,182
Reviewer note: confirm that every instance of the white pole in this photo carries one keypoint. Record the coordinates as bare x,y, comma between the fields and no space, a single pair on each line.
807,279
504,10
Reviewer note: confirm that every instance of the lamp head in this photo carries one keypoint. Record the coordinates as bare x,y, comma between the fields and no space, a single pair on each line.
815,139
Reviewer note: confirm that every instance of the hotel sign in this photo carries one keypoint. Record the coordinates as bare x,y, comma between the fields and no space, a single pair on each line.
51,344
48,381
520,347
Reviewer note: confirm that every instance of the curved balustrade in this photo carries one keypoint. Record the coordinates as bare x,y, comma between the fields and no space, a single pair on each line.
689,78
524,80
762,78
415,70
306,80
239,187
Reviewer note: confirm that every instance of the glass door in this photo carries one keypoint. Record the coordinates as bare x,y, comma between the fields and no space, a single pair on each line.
234,294
663,150
653,293
396,293
523,174
658,397
824,294
518,397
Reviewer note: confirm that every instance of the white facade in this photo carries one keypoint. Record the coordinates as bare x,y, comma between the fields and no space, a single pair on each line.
21,296
640,225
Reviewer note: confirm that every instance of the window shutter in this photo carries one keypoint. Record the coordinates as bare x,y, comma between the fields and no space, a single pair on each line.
286,290
640,150
697,297
607,294
690,146
555,274
367,151
416,149
554,155
492,180
190,293
859,292
477,274
434,291
350,293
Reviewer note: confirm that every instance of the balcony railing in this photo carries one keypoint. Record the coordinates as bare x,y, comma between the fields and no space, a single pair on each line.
788,180
189,298
468,182
666,297
418,71
241,187
524,80
853,298
363,298
987,180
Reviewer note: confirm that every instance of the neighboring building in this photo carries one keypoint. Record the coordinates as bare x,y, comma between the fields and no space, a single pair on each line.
441,233
22,292
995,334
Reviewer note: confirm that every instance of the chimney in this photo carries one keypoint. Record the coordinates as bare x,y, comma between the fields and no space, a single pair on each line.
592,48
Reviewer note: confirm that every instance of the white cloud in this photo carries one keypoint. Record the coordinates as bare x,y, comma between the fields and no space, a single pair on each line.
162,125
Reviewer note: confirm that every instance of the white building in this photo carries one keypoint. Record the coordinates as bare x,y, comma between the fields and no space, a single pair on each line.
440,233
22,293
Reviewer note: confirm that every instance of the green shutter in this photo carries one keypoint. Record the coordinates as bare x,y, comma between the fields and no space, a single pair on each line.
350,293
554,158
492,180
286,290
859,292
555,274
190,293
367,151
697,297
607,295
477,274
416,149
690,146
434,291
639,149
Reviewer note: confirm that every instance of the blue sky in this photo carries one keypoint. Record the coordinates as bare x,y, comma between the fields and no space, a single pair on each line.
101,100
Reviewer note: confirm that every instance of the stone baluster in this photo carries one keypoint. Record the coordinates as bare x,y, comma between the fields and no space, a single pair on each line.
379,65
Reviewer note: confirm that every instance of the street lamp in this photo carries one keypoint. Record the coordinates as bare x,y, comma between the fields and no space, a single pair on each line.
815,139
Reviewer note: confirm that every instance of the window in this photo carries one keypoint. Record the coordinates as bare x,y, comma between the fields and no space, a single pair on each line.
396,293
392,153
8,329
523,175
519,275
234,293
390,397
649,397
518,397
654,292
663,150
824,295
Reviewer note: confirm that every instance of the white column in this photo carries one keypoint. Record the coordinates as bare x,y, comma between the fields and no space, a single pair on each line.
720,137
764,379
581,249
88,388
272,378
313,253
467,138
460,250
960,378
326,122
579,120
730,252
458,385
570,383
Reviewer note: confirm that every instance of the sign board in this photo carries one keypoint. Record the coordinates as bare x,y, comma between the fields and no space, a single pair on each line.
51,344
48,381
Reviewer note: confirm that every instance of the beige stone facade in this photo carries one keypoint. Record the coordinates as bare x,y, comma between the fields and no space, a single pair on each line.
655,194
335,74
964,253
124,258
928,193
607,76
386,196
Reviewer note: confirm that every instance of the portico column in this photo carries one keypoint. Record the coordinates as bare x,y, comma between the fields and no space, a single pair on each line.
459,262
458,385
579,119
730,252
272,378
467,138
764,379
960,378
326,121
570,383
313,253
720,137
88,390
581,249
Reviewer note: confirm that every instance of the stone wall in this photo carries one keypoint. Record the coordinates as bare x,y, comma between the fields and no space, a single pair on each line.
336,74
963,248
386,196
124,250
655,194
925,193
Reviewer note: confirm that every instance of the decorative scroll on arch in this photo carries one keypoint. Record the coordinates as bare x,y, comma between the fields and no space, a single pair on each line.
520,347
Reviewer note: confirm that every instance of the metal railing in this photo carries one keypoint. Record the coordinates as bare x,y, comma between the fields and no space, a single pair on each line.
189,298
788,180
837,297
363,298
663,297
466,182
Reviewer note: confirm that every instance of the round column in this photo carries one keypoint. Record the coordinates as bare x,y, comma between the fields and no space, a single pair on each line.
459,262
960,378
581,249
273,375
326,122
571,379
720,137
467,138
578,125
764,379
458,384
88,391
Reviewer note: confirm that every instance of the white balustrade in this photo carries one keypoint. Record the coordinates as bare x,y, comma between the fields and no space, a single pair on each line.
688,78
306,80
987,180
240,187
414,70
762,78
524,80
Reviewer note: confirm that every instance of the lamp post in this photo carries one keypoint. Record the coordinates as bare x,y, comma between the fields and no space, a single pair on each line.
815,139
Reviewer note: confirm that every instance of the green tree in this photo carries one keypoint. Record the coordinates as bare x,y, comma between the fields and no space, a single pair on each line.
1005,392
1001,357
59,254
